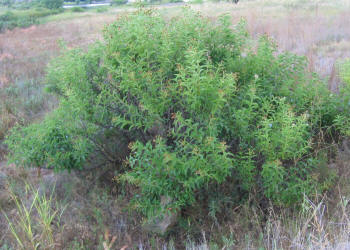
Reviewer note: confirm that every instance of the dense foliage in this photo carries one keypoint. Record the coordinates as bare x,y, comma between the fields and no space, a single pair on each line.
7,3
185,109
12,19
52,4
342,121
118,2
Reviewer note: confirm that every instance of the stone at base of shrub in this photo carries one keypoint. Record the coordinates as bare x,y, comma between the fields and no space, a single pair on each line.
162,223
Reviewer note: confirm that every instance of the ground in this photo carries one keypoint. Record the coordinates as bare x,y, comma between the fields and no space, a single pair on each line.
93,216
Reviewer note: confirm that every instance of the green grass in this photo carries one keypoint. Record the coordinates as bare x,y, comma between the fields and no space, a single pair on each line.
3,9
66,15
69,15
24,18
29,231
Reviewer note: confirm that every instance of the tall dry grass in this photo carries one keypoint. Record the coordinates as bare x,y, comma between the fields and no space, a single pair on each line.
24,53
316,29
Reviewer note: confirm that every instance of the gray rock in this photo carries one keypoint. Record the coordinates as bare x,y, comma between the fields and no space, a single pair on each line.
5,197
3,181
162,223
59,184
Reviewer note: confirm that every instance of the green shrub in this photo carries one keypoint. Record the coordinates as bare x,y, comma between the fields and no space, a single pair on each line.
197,1
102,9
26,18
343,118
54,146
20,103
8,20
119,2
7,3
52,4
77,9
201,107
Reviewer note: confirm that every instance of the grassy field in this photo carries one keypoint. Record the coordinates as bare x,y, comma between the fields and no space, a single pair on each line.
315,29
86,216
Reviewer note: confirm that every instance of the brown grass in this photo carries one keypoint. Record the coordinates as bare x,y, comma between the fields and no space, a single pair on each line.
319,31
24,53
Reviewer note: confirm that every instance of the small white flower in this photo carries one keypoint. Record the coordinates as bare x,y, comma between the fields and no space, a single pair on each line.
256,77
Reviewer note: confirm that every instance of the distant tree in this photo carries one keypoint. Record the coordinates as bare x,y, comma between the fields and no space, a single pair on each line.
7,3
118,2
52,4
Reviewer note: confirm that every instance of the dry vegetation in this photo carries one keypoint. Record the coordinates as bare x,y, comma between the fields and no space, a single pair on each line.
317,29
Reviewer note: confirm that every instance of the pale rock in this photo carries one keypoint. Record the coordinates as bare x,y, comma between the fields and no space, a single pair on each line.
162,223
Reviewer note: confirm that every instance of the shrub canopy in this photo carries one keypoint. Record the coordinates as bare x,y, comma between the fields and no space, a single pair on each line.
199,106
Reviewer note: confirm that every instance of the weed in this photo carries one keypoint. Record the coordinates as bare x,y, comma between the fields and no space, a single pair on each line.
32,232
